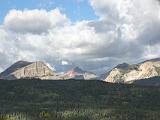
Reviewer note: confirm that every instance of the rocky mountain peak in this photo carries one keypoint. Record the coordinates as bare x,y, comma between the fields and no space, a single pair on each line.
126,73
24,69
123,66
77,70
78,73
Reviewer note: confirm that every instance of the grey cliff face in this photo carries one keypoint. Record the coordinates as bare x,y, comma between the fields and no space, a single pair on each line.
32,70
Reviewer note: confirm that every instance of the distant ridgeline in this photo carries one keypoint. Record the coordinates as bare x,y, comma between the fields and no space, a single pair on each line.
122,73
38,69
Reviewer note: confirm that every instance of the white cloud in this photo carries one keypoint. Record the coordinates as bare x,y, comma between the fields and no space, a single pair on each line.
33,21
127,30
64,62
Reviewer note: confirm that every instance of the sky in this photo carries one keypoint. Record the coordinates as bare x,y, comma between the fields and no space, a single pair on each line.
76,10
95,35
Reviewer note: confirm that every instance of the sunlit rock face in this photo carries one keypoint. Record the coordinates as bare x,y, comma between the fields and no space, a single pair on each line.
36,69
90,76
130,73
78,73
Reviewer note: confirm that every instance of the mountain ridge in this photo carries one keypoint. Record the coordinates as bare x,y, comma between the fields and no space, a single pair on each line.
23,69
122,73
38,69
78,73
127,73
14,67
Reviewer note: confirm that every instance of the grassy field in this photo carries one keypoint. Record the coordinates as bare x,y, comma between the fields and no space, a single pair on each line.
77,100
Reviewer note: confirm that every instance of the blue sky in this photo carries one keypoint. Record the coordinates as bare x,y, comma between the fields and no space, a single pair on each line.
120,33
76,10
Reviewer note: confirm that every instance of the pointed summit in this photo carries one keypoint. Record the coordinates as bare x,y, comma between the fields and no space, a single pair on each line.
123,66
24,69
78,70
78,73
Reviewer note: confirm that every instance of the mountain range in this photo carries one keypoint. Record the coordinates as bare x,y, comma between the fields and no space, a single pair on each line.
122,73
38,69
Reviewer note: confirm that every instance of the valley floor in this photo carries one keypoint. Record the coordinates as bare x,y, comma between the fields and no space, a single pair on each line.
77,100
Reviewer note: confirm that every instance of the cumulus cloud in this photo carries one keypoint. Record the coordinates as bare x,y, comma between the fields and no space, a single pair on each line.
136,24
33,21
126,31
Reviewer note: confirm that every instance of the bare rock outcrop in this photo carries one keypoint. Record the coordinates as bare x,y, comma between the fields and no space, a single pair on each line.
130,73
36,69
78,73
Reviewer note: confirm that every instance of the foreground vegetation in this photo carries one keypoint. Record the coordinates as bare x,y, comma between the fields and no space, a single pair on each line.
77,100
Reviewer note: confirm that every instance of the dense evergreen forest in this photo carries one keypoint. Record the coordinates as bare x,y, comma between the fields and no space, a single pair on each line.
77,100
